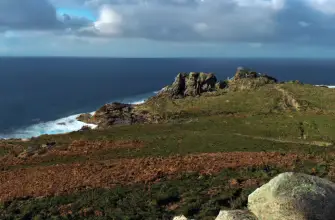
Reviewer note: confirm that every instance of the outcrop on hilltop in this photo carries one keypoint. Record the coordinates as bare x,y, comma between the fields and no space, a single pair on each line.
194,83
245,79
185,84
191,84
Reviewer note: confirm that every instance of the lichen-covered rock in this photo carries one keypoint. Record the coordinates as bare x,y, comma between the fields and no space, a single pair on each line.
178,87
245,79
113,114
190,84
242,73
207,82
294,196
236,215
118,114
84,117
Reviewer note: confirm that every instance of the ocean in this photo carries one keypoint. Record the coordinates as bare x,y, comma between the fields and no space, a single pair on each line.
38,95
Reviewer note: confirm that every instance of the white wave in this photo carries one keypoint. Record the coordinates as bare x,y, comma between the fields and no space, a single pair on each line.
63,125
67,124
329,86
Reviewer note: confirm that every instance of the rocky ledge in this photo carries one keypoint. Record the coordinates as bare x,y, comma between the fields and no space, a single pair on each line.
288,196
194,83
185,84
115,114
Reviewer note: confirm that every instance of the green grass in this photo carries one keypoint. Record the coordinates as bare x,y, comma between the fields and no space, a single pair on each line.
322,98
262,100
3,151
204,135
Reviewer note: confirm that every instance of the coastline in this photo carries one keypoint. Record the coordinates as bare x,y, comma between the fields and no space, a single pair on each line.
71,124
66,124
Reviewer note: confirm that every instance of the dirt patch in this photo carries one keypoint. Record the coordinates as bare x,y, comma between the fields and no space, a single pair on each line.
63,179
76,148
314,143
288,100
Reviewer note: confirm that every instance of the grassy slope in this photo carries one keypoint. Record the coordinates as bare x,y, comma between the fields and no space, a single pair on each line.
223,122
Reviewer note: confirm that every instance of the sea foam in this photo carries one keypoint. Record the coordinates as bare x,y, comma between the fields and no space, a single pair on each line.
329,86
67,124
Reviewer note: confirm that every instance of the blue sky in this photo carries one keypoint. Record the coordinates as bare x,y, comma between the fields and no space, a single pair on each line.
168,28
75,12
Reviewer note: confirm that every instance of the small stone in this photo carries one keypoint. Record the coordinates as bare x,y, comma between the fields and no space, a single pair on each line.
236,215
181,217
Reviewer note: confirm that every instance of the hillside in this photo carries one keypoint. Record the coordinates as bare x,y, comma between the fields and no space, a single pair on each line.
198,147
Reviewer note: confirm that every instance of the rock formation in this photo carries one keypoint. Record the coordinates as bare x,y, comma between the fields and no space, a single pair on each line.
245,79
84,117
185,84
191,84
114,114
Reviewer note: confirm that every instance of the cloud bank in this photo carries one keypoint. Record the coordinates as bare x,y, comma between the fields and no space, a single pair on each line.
254,22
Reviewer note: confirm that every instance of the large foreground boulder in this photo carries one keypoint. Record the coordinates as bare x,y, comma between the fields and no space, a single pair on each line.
294,196
236,215
191,84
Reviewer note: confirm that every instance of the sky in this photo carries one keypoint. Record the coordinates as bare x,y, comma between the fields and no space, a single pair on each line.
168,28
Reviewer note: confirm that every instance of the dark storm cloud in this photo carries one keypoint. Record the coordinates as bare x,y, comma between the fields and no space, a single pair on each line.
27,14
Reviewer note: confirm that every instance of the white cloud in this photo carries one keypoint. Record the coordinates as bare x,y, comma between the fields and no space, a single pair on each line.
270,4
201,27
304,24
109,21
325,6
255,45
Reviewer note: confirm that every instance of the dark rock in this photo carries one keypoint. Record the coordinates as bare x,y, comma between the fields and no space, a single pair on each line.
179,85
85,128
222,84
51,144
116,114
62,123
